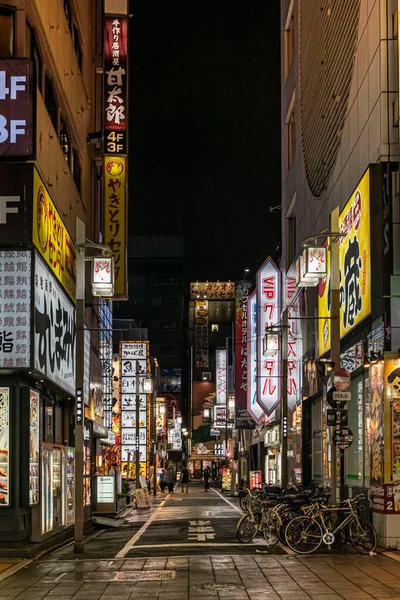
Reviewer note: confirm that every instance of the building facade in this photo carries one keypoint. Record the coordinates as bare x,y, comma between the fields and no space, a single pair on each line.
339,120
51,64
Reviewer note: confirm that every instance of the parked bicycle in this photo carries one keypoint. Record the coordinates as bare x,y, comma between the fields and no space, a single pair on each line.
322,524
260,518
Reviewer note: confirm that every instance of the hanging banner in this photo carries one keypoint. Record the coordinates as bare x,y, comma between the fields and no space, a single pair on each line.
115,84
252,405
220,367
34,437
294,340
241,323
201,333
268,315
115,220
355,268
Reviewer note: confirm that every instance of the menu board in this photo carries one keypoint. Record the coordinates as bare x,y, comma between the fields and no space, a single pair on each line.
142,498
105,490
255,479
4,445
33,447
226,479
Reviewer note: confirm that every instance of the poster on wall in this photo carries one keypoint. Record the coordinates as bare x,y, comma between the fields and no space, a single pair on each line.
15,309
34,438
4,446
201,358
54,346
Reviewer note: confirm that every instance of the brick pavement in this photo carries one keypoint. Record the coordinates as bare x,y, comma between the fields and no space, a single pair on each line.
202,577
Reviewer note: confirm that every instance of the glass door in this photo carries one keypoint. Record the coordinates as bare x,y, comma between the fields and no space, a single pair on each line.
47,489
57,488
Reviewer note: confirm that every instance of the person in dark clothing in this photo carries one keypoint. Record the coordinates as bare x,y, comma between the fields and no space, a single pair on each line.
163,482
169,479
185,479
206,477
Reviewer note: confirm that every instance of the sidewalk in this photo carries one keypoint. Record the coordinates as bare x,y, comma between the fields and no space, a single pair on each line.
204,577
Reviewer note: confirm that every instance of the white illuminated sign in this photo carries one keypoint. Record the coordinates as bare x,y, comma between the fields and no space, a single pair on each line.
268,315
220,359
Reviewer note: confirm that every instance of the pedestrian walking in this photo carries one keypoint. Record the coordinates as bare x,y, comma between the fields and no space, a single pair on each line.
169,478
185,479
206,477
163,482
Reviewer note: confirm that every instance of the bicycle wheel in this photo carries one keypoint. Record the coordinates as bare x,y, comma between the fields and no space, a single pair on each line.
362,536
244,501
304,535
271,528
246,529
287,516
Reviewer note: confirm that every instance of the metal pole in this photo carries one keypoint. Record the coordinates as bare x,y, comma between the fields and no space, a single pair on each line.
137,470
284,392
79,373
335,335
155,444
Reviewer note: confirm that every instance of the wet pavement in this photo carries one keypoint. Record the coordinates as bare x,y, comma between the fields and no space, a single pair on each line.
206,577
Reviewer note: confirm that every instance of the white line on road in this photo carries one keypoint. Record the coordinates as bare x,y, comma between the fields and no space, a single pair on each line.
129,545
196,544
15,568
228,502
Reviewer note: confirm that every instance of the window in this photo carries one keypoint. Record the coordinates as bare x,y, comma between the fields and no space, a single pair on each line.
6,33
32,51
76,169
290,130
290,37
50,101
64,140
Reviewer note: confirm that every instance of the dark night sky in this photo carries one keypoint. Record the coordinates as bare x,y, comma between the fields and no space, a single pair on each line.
205,129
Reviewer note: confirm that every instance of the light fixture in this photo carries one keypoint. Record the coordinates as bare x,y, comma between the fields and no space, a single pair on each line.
148,384
270,343
206,413
103,276
179,420
231,403
162,409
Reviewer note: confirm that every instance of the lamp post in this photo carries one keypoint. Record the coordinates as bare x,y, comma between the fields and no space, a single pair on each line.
82,245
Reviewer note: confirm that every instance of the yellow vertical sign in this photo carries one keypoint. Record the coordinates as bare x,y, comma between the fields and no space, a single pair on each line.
115,214
355,268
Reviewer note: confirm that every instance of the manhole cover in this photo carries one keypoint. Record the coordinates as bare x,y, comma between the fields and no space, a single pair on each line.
220,587
118,576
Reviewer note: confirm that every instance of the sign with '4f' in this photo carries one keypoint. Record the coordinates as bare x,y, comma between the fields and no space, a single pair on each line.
17,108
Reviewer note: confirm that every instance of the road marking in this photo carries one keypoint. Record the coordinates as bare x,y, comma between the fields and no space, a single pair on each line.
15,568
228,502
205,544
129,545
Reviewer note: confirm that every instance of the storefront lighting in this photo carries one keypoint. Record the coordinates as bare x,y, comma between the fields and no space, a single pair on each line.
206,413
148,384
162,409
179,420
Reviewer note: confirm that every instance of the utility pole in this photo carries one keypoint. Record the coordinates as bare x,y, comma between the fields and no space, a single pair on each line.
79,373
284,403
137,457
335,333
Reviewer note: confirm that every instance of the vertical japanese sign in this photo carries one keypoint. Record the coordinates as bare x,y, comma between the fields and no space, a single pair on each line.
220,366
4,446
201,333
134,355
241,323
355,268
116,84
52,239
115,217
34,412
54,346
252,405
268,314
15,309
116,409
294,341
17,108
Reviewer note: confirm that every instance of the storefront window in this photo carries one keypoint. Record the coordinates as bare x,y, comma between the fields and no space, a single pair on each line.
6,33
50,100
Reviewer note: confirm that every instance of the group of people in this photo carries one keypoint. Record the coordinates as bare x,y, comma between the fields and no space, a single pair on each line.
167,478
